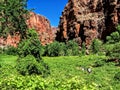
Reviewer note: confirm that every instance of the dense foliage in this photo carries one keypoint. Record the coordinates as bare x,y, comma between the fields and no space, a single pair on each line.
71,48
29,65
113,45
13,17
114,37
31,45
67,73
96,46
30,59
74,70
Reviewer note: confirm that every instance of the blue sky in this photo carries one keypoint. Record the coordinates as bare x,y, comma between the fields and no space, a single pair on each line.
51,9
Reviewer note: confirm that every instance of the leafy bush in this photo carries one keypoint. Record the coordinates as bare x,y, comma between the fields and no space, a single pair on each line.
113,51
29,65
38,83
62,49
99,63
72,48
55,49
83,49
1,50
117,76
114,37
31,45
96,46
10,50
7,70
113,45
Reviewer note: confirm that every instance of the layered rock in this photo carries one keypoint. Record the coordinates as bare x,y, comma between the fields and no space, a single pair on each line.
46,33
84,20
10,40
43,27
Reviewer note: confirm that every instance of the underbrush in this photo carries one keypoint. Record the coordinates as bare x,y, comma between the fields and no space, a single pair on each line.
67,73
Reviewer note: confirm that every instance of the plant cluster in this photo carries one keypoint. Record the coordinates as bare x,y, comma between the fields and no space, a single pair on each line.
113,45
71,48
29,65
38,83
96,46
13,15
30,59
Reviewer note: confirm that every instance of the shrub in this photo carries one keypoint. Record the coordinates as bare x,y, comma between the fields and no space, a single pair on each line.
113,51
55,49
99,63
29,65
30,51
62,49
117,76
83,49
7,70
31,45
10,50
114,37
96,46
72,48
113,45
1,50
38,83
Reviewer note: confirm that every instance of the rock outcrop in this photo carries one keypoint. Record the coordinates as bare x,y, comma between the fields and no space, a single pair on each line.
43,27
10,40
84,20
46,33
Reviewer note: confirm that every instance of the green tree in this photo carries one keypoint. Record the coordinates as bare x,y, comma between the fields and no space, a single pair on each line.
114,37
13,15
72,48
96,46
31,45
55,49
113,45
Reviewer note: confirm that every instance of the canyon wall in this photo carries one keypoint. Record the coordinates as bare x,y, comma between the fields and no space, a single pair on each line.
42,26
46,33
84,20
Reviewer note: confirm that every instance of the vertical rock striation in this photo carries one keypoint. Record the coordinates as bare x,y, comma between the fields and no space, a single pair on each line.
84,20
43,27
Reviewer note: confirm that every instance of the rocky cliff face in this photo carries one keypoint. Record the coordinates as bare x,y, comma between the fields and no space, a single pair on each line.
43,27
40,24
84,20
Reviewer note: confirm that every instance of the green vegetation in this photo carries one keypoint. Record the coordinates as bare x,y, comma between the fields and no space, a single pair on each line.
13,17
96,46
113,45
56,66
71,48
29,65
29,52
67,73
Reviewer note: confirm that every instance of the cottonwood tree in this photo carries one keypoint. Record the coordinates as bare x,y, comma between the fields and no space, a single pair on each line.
13,15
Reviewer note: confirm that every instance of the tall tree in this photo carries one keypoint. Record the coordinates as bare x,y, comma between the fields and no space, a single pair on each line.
13,15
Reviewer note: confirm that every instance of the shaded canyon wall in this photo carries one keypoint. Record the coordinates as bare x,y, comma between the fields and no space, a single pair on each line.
84,20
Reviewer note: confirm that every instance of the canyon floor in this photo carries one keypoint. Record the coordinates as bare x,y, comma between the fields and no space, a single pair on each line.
66,73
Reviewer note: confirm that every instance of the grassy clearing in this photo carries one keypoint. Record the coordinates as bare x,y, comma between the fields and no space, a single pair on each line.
8,59
67,74
68,67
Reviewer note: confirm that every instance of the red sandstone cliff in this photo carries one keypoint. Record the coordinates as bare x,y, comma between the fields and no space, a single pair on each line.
84,20
43,27
40,24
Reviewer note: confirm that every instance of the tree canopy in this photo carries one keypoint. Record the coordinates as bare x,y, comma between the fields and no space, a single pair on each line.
13,15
